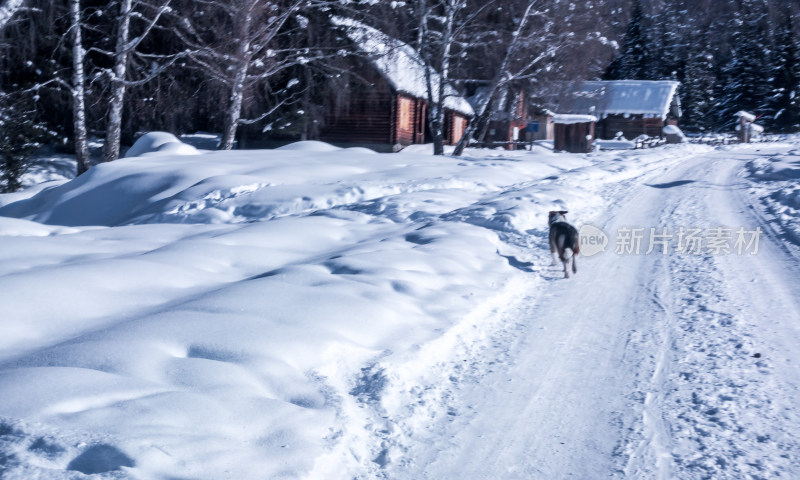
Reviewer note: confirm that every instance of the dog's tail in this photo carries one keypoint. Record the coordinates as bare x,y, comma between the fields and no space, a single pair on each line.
569,246
566,249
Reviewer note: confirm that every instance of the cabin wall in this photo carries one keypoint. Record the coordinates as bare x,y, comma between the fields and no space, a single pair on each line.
544,129
367,111
365,119
509,124
409,121
502,132
631,127
574,137
455,125
360,110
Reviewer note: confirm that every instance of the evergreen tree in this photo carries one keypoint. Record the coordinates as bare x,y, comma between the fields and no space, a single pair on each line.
698,85
745,76
672,47
784,103
634,61
21,134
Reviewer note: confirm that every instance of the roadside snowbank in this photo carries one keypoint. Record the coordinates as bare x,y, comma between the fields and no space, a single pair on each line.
775,180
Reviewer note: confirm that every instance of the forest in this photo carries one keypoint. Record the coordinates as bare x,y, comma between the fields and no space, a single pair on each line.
76,73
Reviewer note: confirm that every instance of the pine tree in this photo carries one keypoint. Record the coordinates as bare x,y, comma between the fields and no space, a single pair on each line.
21,134
634,61
745,76
698,85
784,103
672,47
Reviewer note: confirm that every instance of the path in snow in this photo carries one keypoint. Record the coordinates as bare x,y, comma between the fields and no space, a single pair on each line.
643,366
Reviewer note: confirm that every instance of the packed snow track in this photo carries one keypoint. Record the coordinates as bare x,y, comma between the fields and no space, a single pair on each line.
655,365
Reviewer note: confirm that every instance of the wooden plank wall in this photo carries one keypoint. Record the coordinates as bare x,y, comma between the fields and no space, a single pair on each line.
365,119
630,127
458,124
454,126
410,121
572,137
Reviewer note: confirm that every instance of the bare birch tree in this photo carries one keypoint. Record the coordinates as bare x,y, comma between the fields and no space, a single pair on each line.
124,48
441,25
503,76
78,89
245,46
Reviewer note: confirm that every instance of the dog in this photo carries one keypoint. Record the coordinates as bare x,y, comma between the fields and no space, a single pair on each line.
563,237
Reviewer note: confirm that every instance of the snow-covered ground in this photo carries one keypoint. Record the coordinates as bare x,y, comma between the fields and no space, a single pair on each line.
315,312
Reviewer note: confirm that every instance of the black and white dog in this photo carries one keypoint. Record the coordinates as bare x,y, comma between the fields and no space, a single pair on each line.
563,237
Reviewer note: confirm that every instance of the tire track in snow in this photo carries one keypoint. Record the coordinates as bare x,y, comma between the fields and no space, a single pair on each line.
721,399
655,431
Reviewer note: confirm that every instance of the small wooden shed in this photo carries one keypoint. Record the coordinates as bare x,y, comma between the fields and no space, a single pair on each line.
386,101
574,133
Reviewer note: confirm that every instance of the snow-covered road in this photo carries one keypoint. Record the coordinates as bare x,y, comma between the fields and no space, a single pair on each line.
646,366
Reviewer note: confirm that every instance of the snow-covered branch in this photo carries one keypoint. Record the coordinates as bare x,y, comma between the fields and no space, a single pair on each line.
8,9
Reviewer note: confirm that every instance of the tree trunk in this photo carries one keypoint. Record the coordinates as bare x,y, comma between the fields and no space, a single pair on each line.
234,112
482,117
114,124
437,129
78,90
438,118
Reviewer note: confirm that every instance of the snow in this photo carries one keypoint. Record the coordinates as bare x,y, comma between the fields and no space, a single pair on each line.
159,143
615,144
310,146
777,188
650,98
753,127
8,9
673,134
747,116
318,312
402,66
572,119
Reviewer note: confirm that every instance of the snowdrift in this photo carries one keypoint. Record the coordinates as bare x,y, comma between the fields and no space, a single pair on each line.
776,181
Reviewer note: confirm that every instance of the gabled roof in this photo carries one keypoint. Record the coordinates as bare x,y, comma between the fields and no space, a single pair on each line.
650,98
400,64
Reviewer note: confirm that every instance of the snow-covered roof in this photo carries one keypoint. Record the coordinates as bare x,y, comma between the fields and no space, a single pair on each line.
400,64
747,116
571,118
650,98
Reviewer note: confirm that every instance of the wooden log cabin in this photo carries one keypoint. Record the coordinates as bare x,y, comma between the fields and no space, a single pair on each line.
383,104
632,107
